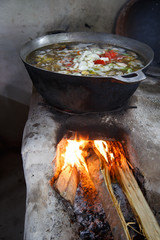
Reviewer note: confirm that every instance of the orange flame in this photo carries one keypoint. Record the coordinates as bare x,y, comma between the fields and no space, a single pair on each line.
73,155
102,147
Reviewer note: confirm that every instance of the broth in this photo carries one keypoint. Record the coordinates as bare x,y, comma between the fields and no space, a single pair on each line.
86,59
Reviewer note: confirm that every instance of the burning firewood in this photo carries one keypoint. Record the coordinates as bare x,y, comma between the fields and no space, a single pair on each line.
96,163
67,183
58,161
140,207
117,163
115,218
65,179
136,199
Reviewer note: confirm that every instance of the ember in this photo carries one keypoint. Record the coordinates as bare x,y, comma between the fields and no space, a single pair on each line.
86,169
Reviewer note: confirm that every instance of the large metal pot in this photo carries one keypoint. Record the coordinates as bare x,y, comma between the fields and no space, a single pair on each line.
82,94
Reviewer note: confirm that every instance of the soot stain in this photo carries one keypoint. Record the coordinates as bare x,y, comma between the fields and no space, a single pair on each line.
87,25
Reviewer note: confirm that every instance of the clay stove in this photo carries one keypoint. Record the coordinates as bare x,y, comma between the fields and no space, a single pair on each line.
46,214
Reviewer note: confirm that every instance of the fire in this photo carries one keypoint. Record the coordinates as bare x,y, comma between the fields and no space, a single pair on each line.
74,152
92,163
102,147
83,162
73,155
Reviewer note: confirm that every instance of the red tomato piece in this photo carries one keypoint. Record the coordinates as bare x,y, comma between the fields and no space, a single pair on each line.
107,54
99,61
68,64
113,54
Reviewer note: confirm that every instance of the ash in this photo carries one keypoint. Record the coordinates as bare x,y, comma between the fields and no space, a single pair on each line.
90,217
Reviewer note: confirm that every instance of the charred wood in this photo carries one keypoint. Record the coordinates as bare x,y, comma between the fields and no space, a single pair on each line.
110,209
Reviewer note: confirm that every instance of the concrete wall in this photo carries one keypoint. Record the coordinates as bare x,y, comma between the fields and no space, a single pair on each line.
22,20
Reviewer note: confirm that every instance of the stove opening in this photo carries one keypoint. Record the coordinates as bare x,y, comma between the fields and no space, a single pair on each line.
96,178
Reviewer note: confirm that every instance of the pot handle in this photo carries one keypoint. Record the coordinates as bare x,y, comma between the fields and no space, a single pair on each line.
131,78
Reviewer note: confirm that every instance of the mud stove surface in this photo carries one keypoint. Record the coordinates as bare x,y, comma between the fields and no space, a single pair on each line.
138,127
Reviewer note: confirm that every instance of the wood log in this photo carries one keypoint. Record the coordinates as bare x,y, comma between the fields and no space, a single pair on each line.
58,161
128,183
138,203
112,211
67,183
72,186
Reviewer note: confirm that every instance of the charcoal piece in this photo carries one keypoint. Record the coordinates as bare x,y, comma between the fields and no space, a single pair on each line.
91,217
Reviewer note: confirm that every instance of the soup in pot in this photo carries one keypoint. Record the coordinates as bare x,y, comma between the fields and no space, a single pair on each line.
86,59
